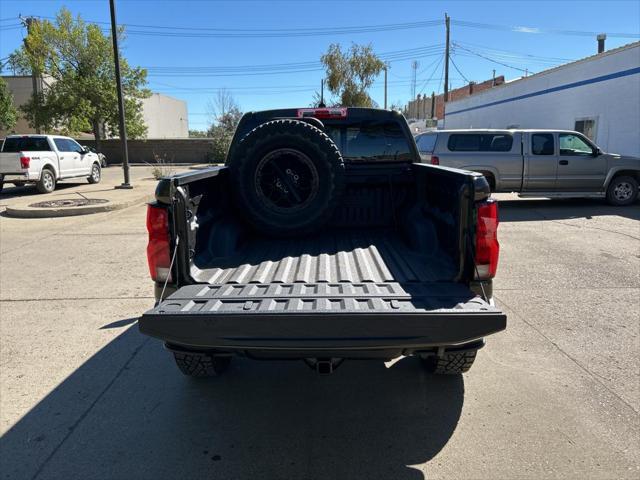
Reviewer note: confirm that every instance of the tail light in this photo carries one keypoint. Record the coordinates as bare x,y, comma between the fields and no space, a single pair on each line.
158,251
25,162
323,112
435,160
487,246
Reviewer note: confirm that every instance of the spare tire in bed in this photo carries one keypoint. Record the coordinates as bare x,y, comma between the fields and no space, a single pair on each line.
287,177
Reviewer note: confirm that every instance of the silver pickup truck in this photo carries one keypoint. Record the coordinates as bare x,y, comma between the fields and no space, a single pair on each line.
540,163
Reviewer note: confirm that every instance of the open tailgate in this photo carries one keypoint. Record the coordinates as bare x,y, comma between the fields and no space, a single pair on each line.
322,316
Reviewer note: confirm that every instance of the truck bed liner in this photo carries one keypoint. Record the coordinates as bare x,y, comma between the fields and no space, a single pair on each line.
322,316
333,257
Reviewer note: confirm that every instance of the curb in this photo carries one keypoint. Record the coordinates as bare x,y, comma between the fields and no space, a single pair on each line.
28,212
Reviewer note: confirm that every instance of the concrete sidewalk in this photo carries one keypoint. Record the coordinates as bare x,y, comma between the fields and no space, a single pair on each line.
77,197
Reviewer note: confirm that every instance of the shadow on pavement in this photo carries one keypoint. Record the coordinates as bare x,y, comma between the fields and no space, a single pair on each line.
30,190
128,413
555,209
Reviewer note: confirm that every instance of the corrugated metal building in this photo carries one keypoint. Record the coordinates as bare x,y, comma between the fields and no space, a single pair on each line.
598,96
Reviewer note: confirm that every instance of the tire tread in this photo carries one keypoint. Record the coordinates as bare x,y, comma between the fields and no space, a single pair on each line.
451,363
200,365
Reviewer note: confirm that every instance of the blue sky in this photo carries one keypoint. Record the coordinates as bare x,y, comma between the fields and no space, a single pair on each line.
534,38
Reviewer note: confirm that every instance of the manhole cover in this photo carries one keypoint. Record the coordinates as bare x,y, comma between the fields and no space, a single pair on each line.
69,202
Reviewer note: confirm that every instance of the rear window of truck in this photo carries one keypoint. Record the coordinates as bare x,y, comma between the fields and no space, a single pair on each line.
480,142
371,141
426,142
25,144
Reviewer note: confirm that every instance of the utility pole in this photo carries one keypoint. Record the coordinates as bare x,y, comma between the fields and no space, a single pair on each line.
29,22
321,105
414,68
433,104
123,130
386,66
446,59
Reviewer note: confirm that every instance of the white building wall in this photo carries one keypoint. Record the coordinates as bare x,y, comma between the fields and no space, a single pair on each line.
614,101
165,117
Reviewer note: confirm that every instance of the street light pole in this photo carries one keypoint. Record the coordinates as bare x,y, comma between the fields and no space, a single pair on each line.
123,129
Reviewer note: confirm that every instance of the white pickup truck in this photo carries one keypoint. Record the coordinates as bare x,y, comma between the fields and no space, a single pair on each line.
43,160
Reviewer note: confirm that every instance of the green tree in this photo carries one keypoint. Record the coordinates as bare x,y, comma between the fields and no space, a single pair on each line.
351,73
225,115
76,60
8,113
197,134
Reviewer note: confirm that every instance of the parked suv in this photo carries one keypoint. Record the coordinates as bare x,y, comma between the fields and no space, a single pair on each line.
547,163
43,160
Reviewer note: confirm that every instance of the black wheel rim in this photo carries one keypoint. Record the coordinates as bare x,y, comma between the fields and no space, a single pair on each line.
286,180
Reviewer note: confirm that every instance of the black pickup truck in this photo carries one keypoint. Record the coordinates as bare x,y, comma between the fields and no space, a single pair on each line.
323,238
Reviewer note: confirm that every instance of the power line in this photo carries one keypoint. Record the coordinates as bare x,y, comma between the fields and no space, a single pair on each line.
217,32
441,77
437,63
397,55
15,26
491,59
275,69
458,70
528,56
539,30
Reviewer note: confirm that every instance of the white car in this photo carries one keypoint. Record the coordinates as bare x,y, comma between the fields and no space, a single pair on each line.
43,160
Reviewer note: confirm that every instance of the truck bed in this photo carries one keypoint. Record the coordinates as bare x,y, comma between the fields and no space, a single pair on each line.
342,256
387,276
338,289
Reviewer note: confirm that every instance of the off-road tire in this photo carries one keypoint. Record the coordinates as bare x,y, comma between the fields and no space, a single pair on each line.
620,184
451,363
201,365
308,154
95,177
47,182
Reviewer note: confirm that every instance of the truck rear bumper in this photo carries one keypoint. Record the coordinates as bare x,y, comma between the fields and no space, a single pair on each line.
17,177
337,318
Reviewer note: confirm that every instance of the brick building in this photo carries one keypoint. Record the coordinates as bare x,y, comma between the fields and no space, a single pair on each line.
420,108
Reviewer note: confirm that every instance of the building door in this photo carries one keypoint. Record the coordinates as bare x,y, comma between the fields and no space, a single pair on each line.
580,168
542,163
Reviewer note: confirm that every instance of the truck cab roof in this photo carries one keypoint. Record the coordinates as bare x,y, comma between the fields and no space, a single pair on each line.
364,135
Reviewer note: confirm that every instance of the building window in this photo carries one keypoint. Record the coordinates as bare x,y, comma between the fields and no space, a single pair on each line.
587,127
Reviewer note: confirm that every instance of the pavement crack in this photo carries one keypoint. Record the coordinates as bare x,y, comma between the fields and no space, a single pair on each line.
8,300
89,408
591,374
589,227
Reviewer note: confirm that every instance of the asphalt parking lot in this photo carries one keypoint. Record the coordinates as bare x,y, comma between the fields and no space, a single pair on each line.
557,395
